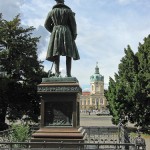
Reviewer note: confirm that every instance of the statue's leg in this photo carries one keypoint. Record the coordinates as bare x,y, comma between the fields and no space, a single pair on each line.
56,63
68,66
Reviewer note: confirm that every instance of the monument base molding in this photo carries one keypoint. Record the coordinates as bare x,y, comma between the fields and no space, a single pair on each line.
50,136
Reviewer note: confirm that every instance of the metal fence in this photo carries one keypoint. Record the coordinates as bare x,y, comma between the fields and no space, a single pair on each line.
112,138
67,145
102,135
98,138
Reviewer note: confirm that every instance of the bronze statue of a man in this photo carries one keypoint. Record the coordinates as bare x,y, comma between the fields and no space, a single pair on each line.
62,25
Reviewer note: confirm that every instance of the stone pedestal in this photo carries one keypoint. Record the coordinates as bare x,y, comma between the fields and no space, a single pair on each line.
60,117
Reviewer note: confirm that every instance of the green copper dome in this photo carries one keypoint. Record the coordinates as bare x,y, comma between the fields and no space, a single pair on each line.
96,76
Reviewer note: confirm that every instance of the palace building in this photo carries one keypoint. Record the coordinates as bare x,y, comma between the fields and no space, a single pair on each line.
94,99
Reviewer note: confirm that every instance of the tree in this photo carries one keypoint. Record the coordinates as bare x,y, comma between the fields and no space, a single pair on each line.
142,90
128,94
122,96
112,100
18,53
127,74
3,102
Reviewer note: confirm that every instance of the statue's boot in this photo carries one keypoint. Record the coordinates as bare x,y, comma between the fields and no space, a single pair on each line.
68,66
56,64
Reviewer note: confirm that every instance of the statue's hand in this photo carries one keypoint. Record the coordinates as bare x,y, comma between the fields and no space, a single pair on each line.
75,36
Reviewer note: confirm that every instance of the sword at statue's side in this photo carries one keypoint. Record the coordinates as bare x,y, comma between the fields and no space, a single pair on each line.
50,71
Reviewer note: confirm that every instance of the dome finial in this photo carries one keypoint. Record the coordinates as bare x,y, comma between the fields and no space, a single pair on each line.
96,68
97,63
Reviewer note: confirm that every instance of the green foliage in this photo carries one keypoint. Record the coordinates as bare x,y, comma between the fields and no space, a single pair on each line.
18,56
3,102
142,90
18,51
20,133
128,94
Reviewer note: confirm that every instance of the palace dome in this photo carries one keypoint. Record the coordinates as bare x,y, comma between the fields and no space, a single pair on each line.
96,76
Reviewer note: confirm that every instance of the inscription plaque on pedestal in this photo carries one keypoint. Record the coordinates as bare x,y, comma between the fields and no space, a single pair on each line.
58,113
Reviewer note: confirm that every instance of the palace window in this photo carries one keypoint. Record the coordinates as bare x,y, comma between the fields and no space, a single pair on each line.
97,101
101,101
93,102
88,102
92,87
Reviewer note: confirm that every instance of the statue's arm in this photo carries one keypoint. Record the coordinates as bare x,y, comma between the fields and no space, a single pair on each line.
73,25
49,23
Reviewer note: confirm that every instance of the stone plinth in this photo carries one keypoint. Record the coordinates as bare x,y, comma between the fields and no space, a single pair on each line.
60,117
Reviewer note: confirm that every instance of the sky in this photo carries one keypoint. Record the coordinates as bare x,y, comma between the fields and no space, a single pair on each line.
105,28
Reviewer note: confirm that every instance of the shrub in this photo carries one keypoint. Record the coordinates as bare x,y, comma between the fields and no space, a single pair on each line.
20,133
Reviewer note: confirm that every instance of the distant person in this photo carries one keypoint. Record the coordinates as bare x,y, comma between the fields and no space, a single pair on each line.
89,112
62,25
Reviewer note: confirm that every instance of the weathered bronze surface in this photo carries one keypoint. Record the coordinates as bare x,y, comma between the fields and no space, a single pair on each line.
56,113
58,84
59,103
60,79
62,25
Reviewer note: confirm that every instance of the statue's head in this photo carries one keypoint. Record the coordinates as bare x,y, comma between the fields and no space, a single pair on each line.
59,1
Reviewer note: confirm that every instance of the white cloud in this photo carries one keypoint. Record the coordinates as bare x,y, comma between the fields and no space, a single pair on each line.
10,8
42,55
44,39
34,12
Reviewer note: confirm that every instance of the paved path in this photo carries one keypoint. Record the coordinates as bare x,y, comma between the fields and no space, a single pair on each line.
94,120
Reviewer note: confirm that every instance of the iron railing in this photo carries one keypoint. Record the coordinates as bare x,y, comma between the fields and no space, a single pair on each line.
98,138
66,145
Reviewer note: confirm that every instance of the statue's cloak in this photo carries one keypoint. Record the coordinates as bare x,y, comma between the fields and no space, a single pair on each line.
62,25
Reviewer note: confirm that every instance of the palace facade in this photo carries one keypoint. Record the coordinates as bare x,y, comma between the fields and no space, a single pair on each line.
94,99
